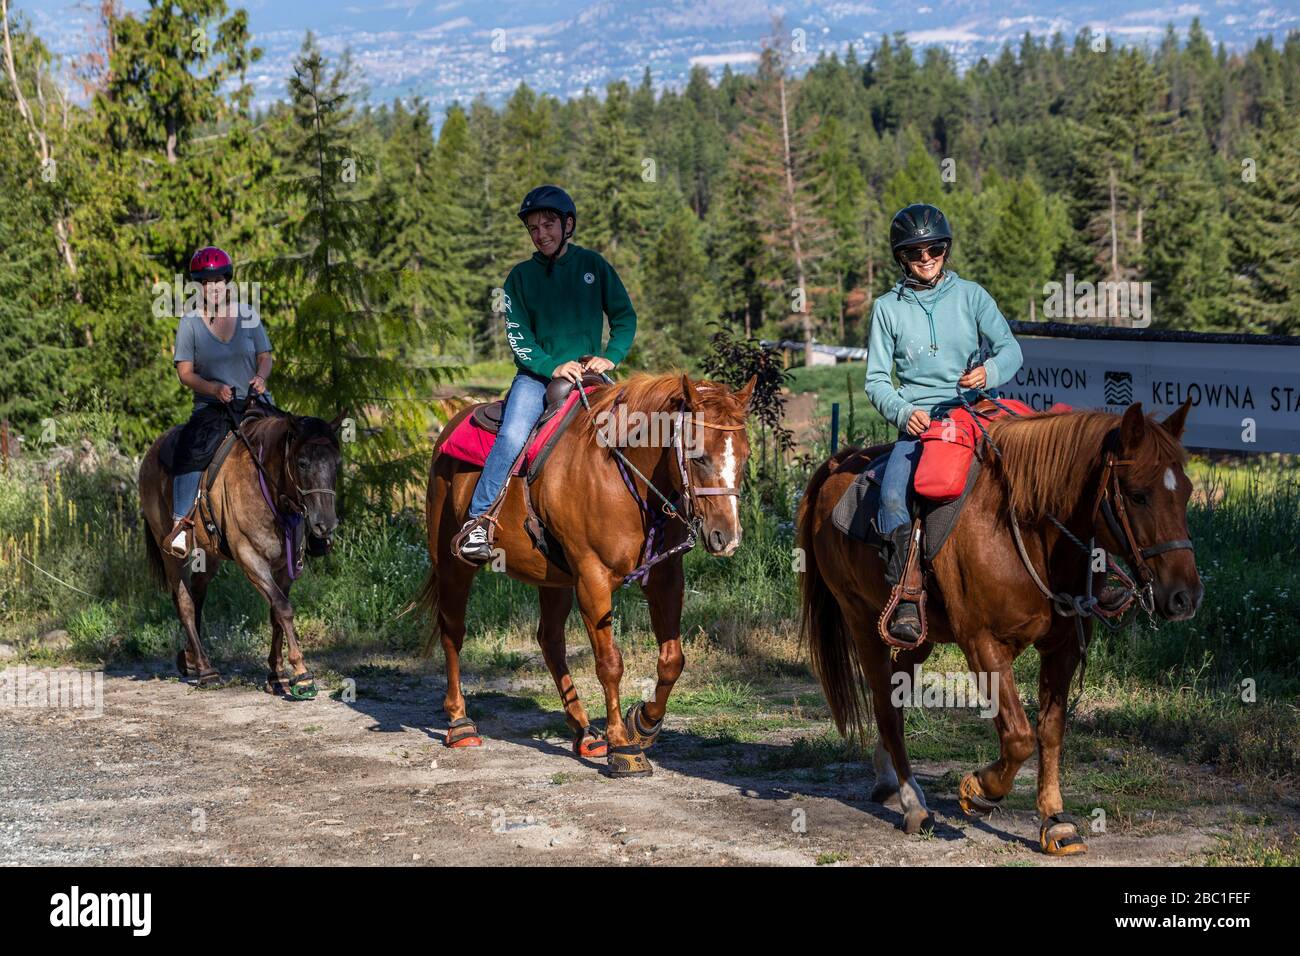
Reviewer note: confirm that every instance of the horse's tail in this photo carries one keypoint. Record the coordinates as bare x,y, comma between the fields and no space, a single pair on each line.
157,570
426,599
427,602
831,647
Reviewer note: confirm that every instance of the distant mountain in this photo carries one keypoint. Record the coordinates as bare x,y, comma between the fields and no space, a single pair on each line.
448,50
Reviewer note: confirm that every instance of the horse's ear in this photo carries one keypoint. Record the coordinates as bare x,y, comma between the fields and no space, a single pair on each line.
688,390
1132,427
1176,423
337,423
746,393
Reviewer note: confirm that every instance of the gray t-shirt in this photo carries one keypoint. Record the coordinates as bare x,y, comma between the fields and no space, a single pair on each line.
232,363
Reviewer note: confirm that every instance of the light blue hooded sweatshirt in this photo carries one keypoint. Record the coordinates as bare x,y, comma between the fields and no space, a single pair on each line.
930,351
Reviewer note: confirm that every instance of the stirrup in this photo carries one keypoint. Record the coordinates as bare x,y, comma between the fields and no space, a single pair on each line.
488,522
183,527
910,589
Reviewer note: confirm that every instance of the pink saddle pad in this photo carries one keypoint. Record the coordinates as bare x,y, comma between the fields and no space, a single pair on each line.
471,444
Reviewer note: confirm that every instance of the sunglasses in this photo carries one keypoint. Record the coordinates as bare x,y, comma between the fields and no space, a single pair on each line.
917,253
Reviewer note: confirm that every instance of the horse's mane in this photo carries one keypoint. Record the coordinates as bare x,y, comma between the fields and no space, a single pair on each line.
648,392
271,429
1048,461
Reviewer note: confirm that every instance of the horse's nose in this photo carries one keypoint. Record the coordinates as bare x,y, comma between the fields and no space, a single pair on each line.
717,540
1180,603
323,529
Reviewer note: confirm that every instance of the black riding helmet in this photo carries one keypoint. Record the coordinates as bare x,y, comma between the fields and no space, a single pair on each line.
557,201
916,224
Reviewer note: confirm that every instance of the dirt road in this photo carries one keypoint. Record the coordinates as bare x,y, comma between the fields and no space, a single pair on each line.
172,774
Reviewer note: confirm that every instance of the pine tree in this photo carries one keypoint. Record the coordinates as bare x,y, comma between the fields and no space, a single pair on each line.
1265,225
341,350
424,227
614,200
680,300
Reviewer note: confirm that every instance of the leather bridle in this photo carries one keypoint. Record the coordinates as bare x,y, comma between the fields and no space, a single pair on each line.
300,502
689,491
1117,520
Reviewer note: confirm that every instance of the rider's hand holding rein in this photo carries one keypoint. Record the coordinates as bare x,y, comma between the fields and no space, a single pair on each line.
975,378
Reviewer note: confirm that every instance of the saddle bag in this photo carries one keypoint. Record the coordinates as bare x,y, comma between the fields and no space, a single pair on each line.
947,447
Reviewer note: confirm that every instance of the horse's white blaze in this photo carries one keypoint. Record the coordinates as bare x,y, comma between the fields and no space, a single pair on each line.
1170,481
729,478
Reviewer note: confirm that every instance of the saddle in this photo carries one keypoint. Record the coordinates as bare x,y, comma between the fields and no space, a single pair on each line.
856,510
203,512
473,438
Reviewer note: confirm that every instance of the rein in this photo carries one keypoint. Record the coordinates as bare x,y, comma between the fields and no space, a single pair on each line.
660,516
286,520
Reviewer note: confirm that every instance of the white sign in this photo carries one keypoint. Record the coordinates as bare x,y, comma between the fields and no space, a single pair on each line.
1244,397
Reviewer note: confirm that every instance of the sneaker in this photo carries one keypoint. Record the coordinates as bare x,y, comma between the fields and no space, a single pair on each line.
475,546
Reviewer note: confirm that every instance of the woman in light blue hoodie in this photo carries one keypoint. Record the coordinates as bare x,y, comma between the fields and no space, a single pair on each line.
926,329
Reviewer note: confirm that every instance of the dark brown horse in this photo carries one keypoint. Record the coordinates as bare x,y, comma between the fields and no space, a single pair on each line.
583,501
1078,467
300,458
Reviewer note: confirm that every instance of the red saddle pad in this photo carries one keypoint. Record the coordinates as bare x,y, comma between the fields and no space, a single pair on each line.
471,443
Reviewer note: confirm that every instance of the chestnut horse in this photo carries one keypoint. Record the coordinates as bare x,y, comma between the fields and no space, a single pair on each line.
1070,466
585,503
301,458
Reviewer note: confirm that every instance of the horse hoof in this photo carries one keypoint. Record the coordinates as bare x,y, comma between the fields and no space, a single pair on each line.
1059,835
462,733
887,795
209,676
971,798
919,821
590,744
628,762
638,734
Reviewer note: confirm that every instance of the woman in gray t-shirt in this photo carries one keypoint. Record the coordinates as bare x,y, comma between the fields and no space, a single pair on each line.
222,352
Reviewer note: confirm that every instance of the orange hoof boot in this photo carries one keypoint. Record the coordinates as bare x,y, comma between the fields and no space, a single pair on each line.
591,744
1059,836
641,732
971,799
461,732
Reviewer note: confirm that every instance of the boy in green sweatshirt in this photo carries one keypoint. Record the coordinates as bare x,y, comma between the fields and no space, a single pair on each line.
555,306
929,329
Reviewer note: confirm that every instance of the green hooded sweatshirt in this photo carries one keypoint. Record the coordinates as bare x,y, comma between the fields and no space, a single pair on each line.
927,336
553,319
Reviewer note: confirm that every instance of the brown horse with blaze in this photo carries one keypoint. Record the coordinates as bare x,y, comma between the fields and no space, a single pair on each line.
586,505
1076,467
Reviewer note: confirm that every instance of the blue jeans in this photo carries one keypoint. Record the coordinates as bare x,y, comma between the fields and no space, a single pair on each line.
897,483
524,405
185,488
